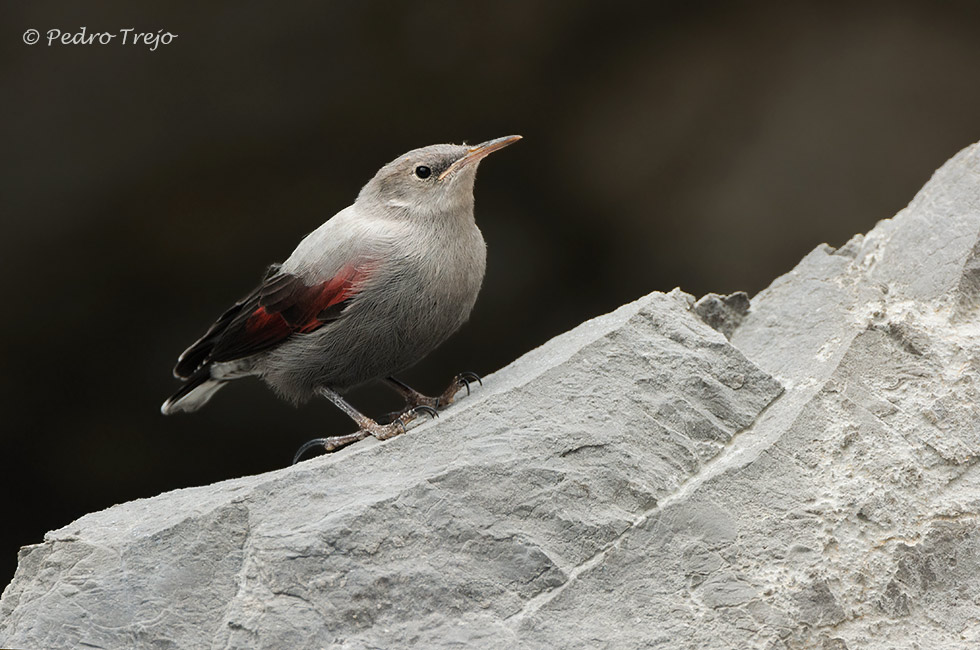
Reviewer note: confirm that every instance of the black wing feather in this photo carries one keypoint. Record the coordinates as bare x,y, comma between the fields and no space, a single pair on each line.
279,307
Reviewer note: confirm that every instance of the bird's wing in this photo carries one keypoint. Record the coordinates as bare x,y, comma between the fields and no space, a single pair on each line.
281,306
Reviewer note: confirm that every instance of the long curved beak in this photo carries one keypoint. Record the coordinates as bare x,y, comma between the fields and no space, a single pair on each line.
479,152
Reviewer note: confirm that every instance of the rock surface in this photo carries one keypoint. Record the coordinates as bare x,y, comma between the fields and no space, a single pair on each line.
640,481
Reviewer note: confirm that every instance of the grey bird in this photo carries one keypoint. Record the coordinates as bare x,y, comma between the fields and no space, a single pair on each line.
363,297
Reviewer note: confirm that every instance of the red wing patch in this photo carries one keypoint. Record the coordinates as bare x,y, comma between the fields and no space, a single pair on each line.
300,308
284,306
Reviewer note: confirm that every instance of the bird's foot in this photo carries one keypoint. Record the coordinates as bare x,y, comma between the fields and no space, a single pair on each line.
368,427
459,382
416,400
412,410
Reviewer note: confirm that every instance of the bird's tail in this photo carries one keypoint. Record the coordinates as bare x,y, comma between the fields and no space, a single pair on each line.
200,387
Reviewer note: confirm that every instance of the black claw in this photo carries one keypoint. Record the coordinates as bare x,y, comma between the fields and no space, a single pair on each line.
316,442
428,410
472,376
401,424
465,383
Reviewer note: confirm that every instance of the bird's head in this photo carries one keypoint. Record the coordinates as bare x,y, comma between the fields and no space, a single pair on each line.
429,181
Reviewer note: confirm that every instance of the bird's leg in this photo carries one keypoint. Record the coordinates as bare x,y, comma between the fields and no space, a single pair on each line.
366,426
415,399
411,396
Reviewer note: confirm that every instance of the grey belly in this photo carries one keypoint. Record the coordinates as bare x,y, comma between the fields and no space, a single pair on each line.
369,342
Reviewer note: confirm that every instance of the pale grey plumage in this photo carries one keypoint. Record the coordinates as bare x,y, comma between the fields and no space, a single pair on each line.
419,260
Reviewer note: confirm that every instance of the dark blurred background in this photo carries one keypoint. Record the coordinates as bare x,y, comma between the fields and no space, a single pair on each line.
694,144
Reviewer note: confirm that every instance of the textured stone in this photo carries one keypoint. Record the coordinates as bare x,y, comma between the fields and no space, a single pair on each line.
640,481
724,313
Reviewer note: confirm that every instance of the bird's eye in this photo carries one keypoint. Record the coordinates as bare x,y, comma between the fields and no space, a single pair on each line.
422,171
